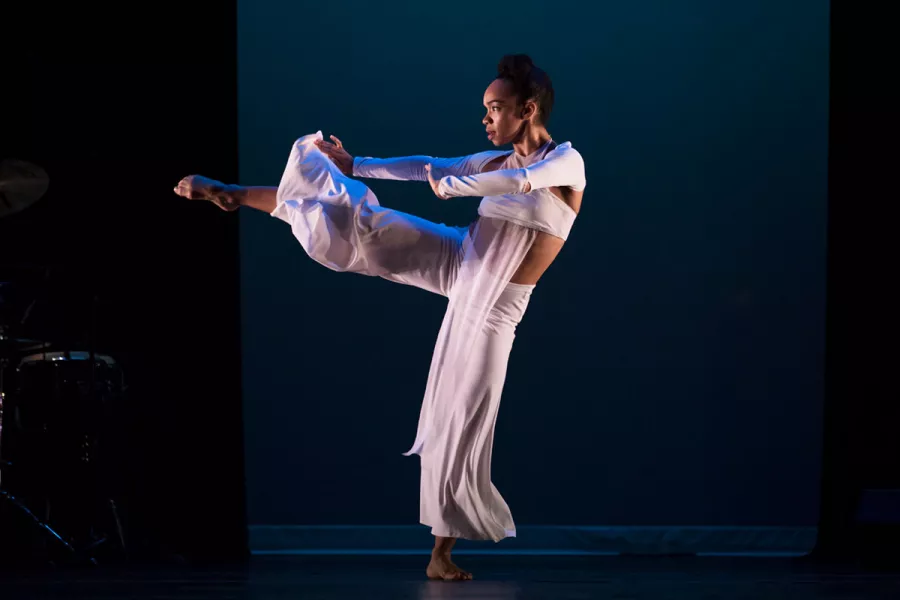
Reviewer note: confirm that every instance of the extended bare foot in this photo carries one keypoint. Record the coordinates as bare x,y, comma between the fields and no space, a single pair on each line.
441,567
198,187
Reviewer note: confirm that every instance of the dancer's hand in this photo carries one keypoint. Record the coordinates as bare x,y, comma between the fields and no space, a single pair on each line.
435,184
198,187
337,154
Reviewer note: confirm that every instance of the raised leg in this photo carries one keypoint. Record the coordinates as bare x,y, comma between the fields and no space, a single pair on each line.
341,225
225,196
369,239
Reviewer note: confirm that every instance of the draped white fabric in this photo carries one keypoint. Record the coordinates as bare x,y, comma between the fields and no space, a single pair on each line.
341,225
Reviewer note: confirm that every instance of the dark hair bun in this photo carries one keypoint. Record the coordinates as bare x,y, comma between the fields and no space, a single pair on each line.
515,66
528,82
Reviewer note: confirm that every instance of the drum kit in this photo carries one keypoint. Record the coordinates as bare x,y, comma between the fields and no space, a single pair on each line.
58,407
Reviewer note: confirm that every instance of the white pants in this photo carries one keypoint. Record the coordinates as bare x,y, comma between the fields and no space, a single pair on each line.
457,497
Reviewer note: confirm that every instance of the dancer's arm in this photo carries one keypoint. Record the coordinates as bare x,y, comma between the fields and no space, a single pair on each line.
412,168
403,168
562,167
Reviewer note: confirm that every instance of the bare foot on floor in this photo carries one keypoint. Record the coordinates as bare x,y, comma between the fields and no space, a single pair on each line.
441,567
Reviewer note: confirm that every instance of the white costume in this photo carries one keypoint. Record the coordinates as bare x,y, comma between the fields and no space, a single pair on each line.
341,225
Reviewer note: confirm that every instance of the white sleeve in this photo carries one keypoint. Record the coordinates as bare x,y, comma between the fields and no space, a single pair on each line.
412,168
562,167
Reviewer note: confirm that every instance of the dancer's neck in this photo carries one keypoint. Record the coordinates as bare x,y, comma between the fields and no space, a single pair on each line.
530,139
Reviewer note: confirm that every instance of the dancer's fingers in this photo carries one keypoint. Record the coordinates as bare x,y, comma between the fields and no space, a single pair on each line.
337,141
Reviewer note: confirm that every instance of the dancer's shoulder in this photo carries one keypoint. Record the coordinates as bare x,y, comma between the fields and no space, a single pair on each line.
561,166
566,154
565,148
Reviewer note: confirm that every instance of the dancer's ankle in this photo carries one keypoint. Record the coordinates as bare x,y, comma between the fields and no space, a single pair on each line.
234,194
262,198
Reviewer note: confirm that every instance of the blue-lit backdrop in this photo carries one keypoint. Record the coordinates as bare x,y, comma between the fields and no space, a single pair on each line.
669,370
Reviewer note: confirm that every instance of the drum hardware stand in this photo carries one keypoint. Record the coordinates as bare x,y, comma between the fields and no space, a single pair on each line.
56,549
96,527
59,549
92,343
18,508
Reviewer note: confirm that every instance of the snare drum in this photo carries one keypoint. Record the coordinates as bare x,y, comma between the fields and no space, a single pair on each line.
54,392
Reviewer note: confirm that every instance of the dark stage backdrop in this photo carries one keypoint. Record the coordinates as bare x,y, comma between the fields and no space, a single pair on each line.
669,370
117,107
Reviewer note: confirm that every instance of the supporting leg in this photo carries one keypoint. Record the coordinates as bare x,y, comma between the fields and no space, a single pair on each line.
441,567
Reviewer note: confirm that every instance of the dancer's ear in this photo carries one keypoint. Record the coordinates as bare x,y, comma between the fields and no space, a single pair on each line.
529,110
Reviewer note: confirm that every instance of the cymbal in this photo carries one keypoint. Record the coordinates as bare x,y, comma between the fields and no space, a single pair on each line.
11,344
21,184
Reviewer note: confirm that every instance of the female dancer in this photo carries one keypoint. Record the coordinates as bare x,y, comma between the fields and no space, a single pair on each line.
531,197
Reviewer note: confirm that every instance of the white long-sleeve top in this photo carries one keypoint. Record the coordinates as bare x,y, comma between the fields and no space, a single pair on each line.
560,167
412,168
503,190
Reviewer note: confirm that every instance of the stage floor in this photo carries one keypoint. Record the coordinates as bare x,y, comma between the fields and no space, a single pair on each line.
496,578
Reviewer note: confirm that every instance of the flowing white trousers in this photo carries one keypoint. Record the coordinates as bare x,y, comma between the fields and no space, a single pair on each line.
341,225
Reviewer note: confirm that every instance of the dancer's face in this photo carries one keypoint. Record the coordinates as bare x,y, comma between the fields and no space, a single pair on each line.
505,119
